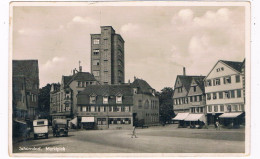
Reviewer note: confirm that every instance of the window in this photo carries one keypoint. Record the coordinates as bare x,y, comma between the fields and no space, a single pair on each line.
118,108
186,100
200,98
118,99
210,108
191,99
96,51
84,108
237,78
96,62
127,109
227,80
135,90
92,109
105,100
96,41
234,108
215,108
232,94
105,41
214,95
217,81
208,82
220,95
179,89
96,73
222,108
194,88
146,104
229,108
238,93
195,98
92,100
139,103
102,109
208,96
227,95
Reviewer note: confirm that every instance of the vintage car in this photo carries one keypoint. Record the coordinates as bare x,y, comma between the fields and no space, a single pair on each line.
60,127
40,128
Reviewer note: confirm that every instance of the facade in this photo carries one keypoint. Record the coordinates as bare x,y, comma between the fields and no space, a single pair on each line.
107,56
224,88
118,106
63,97
25,81
189,100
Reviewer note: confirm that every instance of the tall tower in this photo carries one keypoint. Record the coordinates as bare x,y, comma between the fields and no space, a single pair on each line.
107,56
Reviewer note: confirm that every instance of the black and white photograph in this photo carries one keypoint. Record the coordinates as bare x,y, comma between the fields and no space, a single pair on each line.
129,79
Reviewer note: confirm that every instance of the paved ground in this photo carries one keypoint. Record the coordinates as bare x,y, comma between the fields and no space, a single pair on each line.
168,139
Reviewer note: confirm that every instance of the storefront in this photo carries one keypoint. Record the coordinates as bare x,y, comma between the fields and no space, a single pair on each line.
232,120
196,120
180,118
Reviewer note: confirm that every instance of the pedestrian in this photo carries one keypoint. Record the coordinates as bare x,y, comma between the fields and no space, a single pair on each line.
133,134
217,125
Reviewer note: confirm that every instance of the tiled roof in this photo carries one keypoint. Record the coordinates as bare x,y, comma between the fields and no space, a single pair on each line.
67,79
28,69
234,64
101,90
80,76
186,81
143,86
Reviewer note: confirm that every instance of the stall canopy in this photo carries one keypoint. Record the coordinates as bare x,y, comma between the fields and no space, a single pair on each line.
87,120
196,117
230,115
180,116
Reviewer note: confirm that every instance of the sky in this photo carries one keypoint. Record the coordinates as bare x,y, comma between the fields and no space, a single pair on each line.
159,41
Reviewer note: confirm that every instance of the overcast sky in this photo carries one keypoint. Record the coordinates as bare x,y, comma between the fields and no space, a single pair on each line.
159,41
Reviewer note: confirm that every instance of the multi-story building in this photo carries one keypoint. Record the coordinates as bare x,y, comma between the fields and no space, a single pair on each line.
189,100
118,106
224,88
107,56
25,89
63,97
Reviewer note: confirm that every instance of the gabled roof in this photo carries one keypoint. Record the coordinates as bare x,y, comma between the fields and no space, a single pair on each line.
234,64
111,90
80,76
143,86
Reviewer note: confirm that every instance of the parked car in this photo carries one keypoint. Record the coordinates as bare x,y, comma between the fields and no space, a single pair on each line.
60,127
40,128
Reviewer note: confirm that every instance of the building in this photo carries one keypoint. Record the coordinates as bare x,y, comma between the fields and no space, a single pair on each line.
25,82
107,56
224,88
189,100
63,97
118,106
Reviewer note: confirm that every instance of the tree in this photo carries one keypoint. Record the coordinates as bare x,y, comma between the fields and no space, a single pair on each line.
166,105
44,101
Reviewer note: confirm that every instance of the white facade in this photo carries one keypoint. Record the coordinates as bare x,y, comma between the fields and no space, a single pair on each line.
224,89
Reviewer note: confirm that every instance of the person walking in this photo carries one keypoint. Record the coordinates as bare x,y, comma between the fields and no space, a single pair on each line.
134,134
217,125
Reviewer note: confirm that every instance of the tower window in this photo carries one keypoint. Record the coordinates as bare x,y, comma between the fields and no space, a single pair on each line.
96,41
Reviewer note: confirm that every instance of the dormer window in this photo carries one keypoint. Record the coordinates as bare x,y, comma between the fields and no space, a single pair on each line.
105,100
135,90
92,99
119,99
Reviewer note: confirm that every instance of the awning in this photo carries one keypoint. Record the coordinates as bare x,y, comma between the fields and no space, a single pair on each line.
87,119
74,121
230,115
180,116
195,117
21,122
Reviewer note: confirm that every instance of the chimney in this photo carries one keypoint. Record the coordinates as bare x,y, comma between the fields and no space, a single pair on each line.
134,78
80,68
184,71
74,71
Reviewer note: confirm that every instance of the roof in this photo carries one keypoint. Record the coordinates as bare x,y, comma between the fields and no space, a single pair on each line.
200,81
143,86
67,79
79,76
102,90
234,64
186,80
